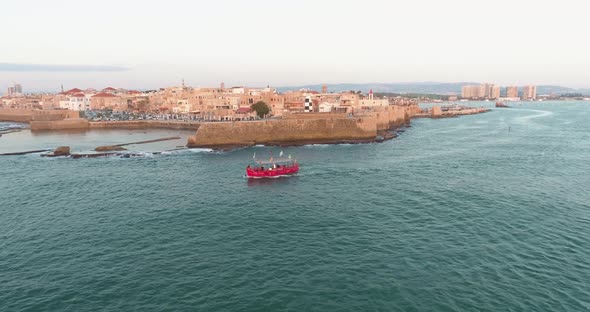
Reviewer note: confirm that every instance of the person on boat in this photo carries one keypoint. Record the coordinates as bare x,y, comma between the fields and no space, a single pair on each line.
248,167
261,168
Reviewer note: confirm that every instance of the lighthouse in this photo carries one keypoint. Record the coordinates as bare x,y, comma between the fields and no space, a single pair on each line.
308,105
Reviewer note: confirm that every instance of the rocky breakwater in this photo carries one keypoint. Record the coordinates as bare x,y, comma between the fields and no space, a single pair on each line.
308,129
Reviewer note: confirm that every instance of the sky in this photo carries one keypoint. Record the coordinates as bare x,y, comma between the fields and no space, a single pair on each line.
153,44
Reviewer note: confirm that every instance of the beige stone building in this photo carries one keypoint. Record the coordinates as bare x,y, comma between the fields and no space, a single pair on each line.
370,101
103,100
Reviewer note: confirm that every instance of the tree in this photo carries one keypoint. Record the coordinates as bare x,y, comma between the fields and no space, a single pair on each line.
260,108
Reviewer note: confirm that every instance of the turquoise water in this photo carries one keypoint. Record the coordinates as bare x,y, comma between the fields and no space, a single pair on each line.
457,214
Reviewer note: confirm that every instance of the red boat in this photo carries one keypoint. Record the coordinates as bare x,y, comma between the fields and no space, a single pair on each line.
502,105
272,168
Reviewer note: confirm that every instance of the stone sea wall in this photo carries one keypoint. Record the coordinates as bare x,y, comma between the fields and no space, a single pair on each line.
283,131
394,116
65,124
332,128
29,115
16,115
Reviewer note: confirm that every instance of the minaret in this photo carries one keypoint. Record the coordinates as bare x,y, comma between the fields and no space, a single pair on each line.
62,88
371,94
183,83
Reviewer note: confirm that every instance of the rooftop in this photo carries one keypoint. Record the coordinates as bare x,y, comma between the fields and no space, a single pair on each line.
103,94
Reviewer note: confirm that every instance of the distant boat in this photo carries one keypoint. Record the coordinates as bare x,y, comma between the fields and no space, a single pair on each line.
502,105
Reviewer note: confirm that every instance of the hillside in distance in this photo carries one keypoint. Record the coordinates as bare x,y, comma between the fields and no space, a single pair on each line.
421,88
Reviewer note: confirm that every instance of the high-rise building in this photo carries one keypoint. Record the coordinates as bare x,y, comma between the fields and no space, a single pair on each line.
484,91
473,92
491,91
512,92
529,92
15,91
487,90
494,92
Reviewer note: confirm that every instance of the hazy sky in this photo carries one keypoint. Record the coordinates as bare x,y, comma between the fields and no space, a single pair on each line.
149,44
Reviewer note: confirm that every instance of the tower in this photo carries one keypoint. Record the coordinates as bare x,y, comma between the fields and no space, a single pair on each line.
222,85
324,89
371,95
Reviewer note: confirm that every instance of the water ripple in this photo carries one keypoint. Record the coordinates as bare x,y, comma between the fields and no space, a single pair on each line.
454,215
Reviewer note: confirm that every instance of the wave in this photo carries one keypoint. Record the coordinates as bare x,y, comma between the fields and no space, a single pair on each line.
11,126
332,144
187,151
531,120
540,113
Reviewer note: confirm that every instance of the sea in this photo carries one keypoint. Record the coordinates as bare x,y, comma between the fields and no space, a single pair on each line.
488,212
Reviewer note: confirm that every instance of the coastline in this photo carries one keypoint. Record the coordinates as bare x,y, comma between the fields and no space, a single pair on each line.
374,126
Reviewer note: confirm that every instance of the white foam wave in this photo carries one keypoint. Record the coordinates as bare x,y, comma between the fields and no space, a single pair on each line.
187,151
539,113
11,126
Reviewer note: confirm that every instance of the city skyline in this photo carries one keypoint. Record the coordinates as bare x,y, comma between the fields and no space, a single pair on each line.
143,45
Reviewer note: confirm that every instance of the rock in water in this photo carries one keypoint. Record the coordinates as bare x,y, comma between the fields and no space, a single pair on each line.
62,151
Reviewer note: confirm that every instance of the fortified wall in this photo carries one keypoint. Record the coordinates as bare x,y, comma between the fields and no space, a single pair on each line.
282,131
393,116
314,128
28,115
65,124
16,115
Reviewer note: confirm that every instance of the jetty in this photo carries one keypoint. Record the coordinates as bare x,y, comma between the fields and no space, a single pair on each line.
450,111
25,152
121,147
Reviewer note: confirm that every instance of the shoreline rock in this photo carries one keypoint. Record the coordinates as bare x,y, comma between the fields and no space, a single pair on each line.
59,151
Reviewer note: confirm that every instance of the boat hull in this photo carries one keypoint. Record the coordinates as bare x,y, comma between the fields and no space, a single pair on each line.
274,173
